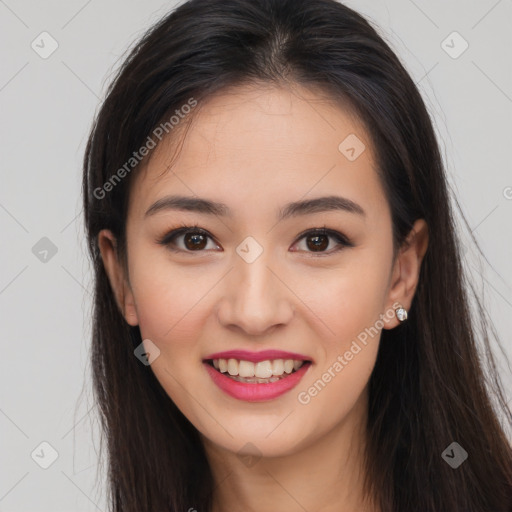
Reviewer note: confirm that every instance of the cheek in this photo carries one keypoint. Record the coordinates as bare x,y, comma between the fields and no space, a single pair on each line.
171,311
170,301
350,299
351,306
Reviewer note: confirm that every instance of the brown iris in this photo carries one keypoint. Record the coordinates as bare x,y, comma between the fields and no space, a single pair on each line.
197,241
319,242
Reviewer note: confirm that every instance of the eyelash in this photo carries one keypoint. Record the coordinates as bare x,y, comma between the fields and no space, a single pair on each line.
184,229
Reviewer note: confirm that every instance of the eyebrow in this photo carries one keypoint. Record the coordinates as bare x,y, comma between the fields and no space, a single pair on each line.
305,207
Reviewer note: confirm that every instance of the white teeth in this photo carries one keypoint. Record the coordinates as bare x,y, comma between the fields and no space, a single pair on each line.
277,367
246,369
232,367
253,380
262,369
223,365
288,366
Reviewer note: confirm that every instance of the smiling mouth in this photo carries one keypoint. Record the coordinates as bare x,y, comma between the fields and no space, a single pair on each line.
264,372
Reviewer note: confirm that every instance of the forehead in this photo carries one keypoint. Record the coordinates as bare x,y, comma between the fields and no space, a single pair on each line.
255,146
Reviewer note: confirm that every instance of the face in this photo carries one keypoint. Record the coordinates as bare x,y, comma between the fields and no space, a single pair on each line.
258,274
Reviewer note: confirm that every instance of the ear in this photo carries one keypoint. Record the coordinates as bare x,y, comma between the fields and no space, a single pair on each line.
406,271
107,244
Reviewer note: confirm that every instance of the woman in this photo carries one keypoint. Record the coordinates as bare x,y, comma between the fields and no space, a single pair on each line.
280,313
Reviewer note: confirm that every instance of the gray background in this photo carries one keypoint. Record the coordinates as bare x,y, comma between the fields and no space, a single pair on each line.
47,106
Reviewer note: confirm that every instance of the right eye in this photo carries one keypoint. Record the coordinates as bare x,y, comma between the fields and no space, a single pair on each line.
194,238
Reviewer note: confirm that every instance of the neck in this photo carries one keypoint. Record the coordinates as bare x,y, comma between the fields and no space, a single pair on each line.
325,475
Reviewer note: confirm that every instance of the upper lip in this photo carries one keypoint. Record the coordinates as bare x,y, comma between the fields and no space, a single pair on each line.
255,357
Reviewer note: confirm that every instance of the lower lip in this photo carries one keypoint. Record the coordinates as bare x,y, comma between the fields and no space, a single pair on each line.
256,392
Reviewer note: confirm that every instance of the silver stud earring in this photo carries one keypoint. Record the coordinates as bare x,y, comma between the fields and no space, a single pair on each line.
401,314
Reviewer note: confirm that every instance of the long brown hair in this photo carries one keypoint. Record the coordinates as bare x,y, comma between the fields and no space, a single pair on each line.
429,387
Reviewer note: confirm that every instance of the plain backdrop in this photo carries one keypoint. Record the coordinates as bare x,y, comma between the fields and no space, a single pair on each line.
47,103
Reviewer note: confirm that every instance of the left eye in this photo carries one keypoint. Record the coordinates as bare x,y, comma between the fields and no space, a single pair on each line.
318,240
196,240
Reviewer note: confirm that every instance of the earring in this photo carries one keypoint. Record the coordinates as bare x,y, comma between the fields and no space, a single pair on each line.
401,314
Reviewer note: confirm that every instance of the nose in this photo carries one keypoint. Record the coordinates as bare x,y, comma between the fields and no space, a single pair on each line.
255,299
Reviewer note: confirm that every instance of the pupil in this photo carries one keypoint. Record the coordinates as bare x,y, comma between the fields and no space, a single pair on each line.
197,241
317,244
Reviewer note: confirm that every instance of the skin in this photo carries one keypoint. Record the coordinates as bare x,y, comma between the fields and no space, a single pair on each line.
255,149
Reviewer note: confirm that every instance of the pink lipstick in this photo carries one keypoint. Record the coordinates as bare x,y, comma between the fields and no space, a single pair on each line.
256,391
